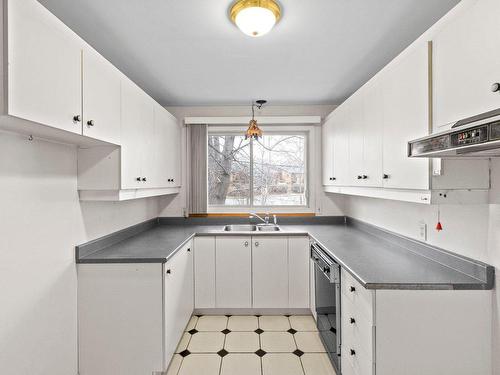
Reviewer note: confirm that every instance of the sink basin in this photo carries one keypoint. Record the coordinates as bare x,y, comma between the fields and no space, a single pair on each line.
268,228
240,228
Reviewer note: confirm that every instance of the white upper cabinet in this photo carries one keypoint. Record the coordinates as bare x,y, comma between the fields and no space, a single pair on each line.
372,136
44,68
340,148
101,97
467,63
405,90
137,131
355,125
327,135
168,148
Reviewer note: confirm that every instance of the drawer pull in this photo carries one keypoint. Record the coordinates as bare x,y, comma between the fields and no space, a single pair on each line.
352,320
189,249
169,271
352,289
353,352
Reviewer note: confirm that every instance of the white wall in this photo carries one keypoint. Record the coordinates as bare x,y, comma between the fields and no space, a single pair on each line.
41,220
470,230
176,205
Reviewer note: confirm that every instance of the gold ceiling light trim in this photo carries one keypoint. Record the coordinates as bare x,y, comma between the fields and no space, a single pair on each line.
271,5
255,18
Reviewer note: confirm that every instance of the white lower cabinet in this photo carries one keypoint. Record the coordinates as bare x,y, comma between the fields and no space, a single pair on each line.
245,272
270,272
414,332
233,270
298,272
131,316
204,272
178,299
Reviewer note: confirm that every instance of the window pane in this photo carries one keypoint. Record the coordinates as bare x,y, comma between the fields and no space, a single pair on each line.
279,170
228,170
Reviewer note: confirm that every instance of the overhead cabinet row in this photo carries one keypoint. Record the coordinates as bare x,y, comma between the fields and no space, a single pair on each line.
424,90
129,144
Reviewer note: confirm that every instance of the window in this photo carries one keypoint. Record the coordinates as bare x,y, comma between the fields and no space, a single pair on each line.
270,171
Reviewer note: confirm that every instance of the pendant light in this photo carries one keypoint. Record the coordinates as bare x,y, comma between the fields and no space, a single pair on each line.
253,130
255,17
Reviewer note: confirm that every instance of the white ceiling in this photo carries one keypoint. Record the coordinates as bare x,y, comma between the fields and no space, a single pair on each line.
187,52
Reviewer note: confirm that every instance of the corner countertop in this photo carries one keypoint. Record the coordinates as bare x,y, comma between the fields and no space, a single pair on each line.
375,259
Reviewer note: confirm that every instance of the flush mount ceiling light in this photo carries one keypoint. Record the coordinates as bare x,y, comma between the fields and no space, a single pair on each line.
253,130
255,17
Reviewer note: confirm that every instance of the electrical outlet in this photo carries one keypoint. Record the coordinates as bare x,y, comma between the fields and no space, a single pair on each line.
422,231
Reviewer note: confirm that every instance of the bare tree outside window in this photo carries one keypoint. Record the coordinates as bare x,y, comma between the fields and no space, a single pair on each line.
278,164
228,170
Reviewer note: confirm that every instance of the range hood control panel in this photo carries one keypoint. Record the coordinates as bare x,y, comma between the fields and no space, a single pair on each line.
470,136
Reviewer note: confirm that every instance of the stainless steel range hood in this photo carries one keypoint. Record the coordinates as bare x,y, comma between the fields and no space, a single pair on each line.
477,136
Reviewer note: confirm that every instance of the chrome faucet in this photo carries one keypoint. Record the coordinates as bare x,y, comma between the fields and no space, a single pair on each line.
266,218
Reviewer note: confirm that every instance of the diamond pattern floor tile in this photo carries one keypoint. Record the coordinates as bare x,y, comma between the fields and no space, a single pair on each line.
251,345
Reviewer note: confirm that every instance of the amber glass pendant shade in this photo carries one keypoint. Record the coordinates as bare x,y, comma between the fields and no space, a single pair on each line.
253,130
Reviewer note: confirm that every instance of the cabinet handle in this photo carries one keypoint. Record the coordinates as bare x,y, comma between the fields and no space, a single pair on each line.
352,320
138,179
495,87
77,118
246,243
169,271
365,177
256,244
359,177
90,123
385,176
189,250
352,351
352,289
144,179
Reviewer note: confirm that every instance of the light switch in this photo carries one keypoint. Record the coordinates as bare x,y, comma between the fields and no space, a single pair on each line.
422,231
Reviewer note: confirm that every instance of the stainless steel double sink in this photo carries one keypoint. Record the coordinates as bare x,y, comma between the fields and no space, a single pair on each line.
252,228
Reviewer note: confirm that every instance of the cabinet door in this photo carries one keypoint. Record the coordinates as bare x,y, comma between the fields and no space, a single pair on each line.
136,136
162,143
298,272
466,63
44,67
341,149
204,272
327,136
178,299
174,150
233,263
270,272
101,98
372,135
406,110
355,124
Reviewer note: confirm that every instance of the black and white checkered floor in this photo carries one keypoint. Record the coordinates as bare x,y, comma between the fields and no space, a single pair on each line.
251,345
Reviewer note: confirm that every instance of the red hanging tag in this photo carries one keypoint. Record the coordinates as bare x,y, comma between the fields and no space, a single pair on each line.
439,227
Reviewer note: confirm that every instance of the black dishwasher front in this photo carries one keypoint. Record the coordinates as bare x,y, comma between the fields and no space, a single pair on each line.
327,297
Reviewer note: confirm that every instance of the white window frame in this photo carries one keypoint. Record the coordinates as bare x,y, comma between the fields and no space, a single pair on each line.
309,132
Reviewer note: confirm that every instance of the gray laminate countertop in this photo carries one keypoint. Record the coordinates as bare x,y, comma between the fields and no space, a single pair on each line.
375,259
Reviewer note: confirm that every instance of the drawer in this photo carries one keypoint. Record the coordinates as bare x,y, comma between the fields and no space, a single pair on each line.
355,358
359,331
360,298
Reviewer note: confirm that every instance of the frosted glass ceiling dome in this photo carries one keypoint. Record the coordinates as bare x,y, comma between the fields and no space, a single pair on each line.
255,17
